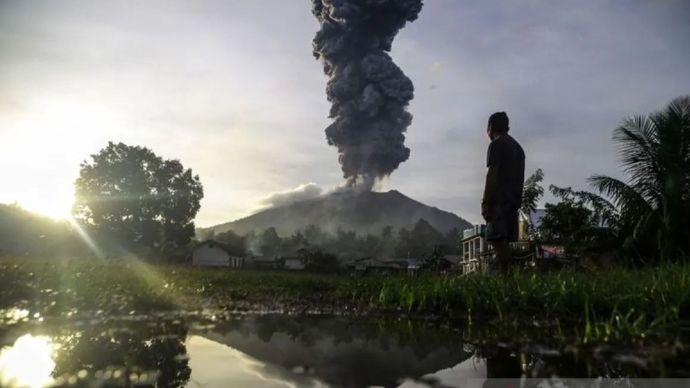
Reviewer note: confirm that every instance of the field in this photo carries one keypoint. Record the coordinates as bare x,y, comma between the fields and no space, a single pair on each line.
618,306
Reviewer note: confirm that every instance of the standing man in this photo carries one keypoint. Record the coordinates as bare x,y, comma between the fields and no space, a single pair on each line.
503,189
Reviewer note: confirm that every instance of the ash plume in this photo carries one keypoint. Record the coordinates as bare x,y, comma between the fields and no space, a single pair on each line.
368,92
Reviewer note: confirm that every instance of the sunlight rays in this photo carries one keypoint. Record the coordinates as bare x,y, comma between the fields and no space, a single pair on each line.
86,238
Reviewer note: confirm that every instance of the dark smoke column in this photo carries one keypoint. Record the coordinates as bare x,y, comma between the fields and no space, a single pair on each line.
368,92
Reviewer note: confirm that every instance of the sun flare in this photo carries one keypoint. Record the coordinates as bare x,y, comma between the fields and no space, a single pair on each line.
27,363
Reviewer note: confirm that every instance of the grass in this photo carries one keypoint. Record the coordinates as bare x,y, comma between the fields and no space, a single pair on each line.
611,306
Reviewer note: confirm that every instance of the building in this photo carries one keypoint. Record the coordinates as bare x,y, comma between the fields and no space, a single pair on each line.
474,248
293,263
214,254
385,266
476,251
262,262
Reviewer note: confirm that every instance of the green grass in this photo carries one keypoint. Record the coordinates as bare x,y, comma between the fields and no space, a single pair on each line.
615,305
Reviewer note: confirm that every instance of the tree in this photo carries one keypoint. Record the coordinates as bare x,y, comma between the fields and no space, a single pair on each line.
420,241
451,243
565,223
581,222
233,242
136,201
654,200
270,243
316,260
532,192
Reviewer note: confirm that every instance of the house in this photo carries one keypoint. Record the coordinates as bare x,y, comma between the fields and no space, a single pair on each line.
475,249
211,253
293,263
551,251
384,266
262,262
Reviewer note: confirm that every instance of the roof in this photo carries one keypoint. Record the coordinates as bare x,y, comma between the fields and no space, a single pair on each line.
474,231
263,259
382,263
220,245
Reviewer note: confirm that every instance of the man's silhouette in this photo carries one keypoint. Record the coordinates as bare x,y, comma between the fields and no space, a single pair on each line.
503,189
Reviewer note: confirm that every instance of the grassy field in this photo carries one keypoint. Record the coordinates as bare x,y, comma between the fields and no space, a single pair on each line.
616,305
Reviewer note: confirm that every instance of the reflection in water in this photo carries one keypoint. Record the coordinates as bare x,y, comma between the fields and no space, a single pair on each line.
309,351
154,350
27,363
470,373
215,365
126,351
142,352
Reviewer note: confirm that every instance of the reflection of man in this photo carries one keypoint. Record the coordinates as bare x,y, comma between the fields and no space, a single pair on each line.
503,189
502,370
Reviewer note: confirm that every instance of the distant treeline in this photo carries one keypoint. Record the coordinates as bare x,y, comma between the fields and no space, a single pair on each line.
23,233
420,241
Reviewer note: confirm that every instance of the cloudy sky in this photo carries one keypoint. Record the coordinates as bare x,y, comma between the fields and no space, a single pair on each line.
232,90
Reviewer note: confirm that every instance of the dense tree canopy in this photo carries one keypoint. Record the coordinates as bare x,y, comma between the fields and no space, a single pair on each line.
654,200
133,200
569,222
422,241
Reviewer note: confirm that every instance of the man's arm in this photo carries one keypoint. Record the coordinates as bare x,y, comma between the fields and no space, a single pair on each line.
489,197
493,160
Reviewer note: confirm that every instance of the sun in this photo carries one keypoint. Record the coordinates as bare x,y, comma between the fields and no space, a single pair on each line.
55,205
42,151
27,363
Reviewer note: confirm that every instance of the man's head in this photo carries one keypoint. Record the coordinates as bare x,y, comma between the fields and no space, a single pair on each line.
498,124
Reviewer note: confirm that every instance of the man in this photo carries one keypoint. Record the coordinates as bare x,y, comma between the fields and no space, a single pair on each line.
503,189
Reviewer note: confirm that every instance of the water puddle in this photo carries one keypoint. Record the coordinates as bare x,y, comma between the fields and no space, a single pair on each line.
182,350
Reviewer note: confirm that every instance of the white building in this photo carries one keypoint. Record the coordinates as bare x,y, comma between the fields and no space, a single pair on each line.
474,248
214,254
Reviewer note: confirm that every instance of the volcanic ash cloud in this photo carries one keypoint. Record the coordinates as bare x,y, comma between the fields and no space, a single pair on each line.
368,92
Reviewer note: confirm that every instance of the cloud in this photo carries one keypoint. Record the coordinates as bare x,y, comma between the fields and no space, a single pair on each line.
300,193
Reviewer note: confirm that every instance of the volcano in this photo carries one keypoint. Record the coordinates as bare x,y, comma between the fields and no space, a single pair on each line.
362,212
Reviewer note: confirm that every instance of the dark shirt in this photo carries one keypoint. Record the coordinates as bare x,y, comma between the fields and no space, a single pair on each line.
506,155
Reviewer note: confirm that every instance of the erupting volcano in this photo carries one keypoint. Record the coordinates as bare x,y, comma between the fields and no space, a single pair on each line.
368,92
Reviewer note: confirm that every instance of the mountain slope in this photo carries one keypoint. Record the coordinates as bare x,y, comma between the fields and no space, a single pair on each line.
366,212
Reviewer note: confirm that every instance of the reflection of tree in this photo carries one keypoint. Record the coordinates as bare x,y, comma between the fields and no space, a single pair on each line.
131,346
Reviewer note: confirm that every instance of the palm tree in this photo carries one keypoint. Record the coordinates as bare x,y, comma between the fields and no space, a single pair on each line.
654,202
532,192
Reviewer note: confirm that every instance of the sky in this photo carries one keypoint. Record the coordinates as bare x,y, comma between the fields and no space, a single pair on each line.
232,90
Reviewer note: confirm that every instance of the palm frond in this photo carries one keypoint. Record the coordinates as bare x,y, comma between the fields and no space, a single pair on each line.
623,196
638,149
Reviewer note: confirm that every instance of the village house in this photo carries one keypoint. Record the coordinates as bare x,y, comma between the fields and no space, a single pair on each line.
385,266
262,262
293,263
211,253
476,251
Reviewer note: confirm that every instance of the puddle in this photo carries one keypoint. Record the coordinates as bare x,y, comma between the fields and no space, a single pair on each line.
182,350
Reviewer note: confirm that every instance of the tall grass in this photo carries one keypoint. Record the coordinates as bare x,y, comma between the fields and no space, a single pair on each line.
599,306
